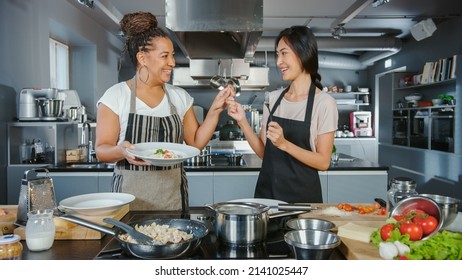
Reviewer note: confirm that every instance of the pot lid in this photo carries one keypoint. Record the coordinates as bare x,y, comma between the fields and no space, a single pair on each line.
240,208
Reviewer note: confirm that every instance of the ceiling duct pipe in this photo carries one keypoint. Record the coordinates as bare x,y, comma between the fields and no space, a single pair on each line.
326,60
376,48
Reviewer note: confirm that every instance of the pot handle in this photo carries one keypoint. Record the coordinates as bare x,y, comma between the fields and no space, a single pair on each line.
88,224
210,206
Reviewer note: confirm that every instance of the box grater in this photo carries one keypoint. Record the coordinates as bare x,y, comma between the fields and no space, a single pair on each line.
35,194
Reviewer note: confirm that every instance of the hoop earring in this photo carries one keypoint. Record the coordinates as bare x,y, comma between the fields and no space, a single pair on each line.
139,74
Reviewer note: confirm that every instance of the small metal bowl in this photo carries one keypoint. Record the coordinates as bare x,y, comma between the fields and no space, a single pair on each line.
310,223
312,244
449,207
423,203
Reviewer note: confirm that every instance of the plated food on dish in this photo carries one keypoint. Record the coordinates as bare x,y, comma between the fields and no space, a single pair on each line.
162,153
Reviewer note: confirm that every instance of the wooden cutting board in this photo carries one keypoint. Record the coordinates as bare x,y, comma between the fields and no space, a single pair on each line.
352,249
66,230
7,221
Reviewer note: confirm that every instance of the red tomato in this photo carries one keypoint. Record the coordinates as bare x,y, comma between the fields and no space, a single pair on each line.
427,222
386,230
399,218
413,212
415,231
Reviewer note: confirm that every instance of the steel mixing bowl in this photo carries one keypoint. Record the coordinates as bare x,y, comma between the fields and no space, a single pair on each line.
312,244
420,203
310,223
449,207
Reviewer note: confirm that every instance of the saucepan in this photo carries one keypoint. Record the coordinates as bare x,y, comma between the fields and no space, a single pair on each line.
246,223
154,251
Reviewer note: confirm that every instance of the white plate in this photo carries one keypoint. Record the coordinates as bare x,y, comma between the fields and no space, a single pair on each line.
264,201
96,204
145,151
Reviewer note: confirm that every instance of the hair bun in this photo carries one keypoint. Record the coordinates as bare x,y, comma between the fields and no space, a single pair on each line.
136,23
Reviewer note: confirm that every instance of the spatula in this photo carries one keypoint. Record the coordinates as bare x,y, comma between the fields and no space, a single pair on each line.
139,237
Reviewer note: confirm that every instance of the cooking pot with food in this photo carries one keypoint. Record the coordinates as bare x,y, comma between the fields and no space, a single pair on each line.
242,223
153,251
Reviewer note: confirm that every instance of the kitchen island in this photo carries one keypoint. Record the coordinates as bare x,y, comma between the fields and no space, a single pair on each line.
210,248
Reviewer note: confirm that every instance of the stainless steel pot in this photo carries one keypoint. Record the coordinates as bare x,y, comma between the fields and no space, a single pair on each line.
50,107
72,113
241,223
234,159
203,158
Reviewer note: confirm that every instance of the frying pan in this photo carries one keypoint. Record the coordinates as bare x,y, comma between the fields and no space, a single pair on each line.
153,252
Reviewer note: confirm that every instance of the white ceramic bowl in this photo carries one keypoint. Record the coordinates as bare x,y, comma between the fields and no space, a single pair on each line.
437,102
413,97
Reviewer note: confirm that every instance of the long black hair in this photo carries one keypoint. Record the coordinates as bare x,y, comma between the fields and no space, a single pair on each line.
303,42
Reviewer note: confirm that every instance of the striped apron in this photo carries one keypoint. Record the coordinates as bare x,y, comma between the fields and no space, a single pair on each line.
154,187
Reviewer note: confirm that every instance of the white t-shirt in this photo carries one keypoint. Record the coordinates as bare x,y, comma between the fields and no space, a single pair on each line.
324,117
117,98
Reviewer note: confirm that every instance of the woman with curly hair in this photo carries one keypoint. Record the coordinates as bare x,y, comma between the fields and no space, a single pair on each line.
148,109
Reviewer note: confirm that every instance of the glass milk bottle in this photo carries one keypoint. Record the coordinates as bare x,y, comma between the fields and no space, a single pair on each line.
400,188
40,230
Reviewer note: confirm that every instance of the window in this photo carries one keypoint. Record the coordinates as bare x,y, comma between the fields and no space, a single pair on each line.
59,65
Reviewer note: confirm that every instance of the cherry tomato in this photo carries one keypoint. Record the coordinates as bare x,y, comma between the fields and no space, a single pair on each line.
386,230
414,230
377,206
382,211
427,222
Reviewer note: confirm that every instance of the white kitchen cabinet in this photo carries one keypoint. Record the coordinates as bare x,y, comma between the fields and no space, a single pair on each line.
364,148
234,185
356,186
200,188
105,181
323,179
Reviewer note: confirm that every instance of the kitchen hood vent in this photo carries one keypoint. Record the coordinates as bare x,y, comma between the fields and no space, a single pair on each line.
258,78
215,29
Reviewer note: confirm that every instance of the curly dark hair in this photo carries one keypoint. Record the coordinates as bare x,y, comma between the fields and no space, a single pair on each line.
139,29
303,42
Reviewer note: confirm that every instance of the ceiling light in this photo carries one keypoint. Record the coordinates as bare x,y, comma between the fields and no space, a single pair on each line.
87,3
377,3
338,31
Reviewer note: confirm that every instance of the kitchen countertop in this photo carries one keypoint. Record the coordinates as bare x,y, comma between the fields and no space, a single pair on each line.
91,249
251,163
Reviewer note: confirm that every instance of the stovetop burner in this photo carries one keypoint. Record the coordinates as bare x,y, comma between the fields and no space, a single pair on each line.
211,248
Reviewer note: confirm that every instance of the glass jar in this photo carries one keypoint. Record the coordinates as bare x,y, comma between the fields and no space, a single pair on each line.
399,189
10,247
40,230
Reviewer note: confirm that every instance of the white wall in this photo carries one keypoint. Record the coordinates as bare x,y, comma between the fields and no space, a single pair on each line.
26,25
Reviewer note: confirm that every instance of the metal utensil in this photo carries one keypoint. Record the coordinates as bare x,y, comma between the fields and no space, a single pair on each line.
236,84
218,82
266,103
140,237
293,207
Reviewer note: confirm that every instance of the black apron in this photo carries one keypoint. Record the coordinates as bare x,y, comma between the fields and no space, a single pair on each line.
282,176
154,187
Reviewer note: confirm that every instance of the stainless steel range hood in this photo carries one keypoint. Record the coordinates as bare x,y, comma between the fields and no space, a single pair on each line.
215,29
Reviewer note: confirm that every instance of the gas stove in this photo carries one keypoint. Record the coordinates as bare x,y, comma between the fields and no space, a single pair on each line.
211,248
